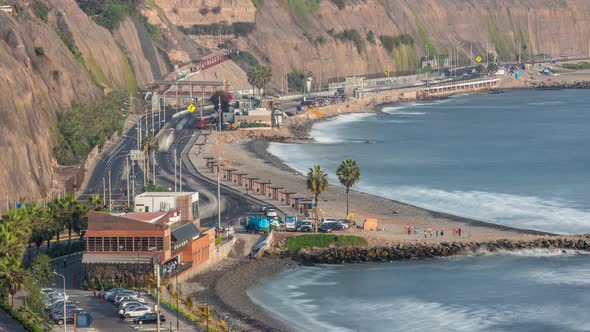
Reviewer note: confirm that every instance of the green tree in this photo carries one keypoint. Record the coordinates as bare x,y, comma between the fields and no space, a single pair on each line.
259,76
12,276
492,67
149,146
480,68
317,183
96,202
14,232
41,227
41,269
221,97
297,79
349,174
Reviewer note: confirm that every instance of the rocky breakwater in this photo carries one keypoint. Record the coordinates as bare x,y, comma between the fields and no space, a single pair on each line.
340,255
561,85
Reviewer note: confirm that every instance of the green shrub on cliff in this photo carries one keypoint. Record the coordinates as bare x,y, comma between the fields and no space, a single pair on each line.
296,243
83,127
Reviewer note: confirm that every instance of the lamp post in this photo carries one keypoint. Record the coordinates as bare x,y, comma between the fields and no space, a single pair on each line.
65,300
177,296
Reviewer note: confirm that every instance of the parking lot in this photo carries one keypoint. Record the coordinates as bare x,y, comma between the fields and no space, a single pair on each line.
106,317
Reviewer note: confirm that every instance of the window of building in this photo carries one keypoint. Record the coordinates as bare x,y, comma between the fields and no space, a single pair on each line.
128,246
196,210
107,243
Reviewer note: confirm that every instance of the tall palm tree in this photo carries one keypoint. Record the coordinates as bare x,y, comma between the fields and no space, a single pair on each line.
317,183
96,202
150,145
349,174
72,214
11,240
12,276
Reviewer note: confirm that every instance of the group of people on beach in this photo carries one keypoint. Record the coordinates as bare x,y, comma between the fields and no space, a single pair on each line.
428,232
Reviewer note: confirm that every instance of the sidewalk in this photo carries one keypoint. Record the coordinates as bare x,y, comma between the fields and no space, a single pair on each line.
200,148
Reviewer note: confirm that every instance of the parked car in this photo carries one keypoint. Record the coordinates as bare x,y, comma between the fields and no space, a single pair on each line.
345,223
135,312
124,296
149,318
325,228
271,212
328,227
126,304
59,319
306,226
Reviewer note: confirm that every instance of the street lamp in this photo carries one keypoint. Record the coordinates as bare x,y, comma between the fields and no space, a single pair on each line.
65,300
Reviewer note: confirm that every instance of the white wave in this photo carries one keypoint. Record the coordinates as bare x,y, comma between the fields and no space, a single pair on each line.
300,313
411,314
546,103
575,276
326,132
538,252
528,212
401,109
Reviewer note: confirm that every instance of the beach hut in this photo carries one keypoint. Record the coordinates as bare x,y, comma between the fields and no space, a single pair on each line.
370,224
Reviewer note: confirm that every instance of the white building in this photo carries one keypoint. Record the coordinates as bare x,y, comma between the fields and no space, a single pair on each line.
187,203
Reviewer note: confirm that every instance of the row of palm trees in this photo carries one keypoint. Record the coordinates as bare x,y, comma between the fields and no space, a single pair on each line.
32,223
348,173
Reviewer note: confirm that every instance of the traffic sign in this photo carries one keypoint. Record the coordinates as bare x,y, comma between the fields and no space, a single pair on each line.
137,155
386,72
191,108
478,59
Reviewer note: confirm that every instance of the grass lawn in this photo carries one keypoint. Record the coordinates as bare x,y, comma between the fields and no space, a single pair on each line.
295,243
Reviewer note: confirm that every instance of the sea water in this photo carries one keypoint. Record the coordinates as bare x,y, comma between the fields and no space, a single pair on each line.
517,158
517,292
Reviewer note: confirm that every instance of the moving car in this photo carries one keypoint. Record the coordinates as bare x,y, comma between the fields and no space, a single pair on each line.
149,318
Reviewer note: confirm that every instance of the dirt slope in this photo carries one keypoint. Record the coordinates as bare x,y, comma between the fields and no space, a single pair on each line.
40,75
287,32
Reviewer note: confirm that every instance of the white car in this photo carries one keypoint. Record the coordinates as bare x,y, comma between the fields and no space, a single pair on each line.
123,297
271,212
135,312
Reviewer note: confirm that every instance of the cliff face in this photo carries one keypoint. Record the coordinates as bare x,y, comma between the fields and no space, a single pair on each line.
292,33
46,65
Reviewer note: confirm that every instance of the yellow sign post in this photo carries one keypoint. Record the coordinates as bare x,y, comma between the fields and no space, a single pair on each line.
478,59
386,72
191,108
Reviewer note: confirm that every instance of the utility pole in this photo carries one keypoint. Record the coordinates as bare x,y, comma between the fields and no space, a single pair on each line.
159,113
471,52
180,171
139,134
164,105
110,192
219,115
218,194
158,298
146,123
133,179
174,169
177,296
8,203
191,86
104,190
202,100
127,177
154,167
177,101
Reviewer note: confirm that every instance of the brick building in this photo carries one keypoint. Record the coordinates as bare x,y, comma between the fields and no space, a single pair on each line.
131,244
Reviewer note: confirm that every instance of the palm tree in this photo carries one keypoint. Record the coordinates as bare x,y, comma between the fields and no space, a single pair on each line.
150,144
72,214
41,228
96,202
12,276
317,183
349,174
259,76
11,241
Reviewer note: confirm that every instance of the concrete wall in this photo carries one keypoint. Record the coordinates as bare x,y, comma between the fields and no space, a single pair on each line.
216,255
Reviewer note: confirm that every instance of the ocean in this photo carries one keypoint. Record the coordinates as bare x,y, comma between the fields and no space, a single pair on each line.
516,158
518,292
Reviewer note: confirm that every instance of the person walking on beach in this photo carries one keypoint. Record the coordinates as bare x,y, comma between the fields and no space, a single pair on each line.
442,233
459,232
437,233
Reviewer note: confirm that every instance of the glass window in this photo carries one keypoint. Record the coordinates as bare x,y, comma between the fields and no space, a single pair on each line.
137,244
128,244
91,244
107,244
114,244
196,210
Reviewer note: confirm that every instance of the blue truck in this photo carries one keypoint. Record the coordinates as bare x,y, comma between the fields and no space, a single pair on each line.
258,225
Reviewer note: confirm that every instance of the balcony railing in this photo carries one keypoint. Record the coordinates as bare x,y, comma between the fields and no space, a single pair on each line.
178,270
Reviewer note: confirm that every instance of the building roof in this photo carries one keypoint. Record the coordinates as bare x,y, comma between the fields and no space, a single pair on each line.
151,217
287,192
96,258
240,174
276,187
185,233
98,221
166,194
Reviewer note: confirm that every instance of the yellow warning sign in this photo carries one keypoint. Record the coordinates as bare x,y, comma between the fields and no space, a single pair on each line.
386,72
478,59
191,108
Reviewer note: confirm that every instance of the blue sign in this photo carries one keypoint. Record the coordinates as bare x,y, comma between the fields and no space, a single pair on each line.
19,205
83,320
